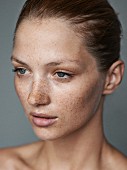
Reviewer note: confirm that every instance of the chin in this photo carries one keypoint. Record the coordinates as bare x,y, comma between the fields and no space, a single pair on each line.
46,134
53,134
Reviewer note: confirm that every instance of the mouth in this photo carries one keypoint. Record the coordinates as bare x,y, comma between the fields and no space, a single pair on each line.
43,120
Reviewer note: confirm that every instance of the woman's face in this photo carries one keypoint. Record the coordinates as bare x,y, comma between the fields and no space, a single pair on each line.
56,79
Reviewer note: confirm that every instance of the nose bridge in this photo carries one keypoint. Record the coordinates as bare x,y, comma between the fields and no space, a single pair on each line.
40,85
39,93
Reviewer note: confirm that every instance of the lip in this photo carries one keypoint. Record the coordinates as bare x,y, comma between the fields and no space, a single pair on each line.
43,120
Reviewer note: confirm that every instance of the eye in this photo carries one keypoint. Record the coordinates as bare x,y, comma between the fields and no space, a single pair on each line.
63,75
20,71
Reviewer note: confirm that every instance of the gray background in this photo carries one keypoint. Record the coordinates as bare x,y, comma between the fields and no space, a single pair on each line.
14,127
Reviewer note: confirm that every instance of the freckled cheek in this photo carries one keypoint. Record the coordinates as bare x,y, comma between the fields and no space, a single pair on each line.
22,91
70,105
77,105
72,112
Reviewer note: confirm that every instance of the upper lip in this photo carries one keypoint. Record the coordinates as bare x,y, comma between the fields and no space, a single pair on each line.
42,115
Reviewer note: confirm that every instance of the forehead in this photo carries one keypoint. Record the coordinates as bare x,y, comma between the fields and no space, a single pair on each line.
48,31
49,37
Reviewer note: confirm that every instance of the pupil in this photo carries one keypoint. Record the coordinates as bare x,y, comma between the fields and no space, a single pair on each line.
22,71
61,74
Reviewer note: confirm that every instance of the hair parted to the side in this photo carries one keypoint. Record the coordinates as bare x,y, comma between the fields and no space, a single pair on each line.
95,20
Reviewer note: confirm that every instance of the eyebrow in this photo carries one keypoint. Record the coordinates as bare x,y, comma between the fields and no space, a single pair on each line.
62,62
48,64
18,61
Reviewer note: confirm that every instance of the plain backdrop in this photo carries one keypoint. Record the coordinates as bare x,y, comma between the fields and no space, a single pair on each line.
14,127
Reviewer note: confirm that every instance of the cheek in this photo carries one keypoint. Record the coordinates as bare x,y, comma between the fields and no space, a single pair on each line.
21,90
78,105
72,107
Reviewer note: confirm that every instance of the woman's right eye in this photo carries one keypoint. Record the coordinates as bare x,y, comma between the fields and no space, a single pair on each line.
20,71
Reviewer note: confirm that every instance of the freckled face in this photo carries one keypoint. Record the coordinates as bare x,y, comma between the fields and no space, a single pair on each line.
55,77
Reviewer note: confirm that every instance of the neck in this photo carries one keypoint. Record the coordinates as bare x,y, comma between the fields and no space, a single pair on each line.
80,150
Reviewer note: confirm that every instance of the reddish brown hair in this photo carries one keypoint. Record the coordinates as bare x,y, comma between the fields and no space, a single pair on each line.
95,20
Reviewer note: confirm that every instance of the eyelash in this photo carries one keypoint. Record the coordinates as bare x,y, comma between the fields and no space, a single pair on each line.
63,75
18,70
60,75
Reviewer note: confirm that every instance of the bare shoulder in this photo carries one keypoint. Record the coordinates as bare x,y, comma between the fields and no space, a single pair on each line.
120,160
9,159
116,159
16,158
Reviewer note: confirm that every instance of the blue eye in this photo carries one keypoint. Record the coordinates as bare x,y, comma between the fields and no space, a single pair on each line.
63,75
20,70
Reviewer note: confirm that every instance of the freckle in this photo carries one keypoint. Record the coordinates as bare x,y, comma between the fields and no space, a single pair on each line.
38,96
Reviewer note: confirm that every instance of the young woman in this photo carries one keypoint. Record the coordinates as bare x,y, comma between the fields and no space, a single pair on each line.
66,60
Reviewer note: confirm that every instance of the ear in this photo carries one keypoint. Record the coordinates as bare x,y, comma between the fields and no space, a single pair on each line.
113,77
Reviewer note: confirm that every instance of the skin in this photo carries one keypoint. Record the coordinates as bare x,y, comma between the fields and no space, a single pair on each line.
57,76
44,90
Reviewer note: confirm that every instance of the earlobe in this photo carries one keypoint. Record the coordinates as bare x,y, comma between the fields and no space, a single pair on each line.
113,77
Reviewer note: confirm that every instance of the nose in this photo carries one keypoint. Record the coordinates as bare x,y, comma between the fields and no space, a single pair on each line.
39,95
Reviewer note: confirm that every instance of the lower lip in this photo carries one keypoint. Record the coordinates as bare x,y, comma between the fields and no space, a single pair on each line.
43,122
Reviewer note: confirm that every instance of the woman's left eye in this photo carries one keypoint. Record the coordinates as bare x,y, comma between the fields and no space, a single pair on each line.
63,75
